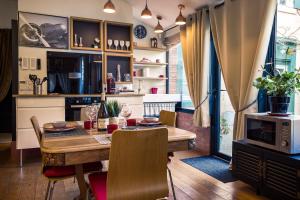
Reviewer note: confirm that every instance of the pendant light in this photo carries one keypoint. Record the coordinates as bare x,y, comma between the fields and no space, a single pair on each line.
146,13
109,7
158,28
180,20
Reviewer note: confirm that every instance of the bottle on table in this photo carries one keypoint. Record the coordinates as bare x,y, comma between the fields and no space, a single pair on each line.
103,117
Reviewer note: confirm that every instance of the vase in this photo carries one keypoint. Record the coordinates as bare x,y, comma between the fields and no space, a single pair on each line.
114,120
279,104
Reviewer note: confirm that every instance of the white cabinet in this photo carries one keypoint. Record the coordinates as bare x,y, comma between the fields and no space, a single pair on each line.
46,109
134,102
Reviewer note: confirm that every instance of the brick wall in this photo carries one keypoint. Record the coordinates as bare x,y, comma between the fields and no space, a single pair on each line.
185,121
172,70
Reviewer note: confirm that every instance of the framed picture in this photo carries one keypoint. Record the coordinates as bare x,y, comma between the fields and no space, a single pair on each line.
43,31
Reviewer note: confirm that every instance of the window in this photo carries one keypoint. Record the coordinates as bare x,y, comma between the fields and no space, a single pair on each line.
177,78
287,54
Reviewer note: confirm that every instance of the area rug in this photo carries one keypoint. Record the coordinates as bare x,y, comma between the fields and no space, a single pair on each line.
213,166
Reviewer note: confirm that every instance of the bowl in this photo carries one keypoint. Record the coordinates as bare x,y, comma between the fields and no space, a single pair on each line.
150,119
59,124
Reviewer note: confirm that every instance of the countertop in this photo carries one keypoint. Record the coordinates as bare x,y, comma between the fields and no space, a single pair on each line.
77,95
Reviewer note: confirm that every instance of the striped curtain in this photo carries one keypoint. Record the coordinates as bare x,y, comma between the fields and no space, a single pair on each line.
5,62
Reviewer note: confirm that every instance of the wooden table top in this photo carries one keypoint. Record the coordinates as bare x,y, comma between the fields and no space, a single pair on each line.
88,142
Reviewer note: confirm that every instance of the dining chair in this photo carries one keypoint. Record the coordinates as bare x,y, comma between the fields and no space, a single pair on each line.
59,173
137,167
168,118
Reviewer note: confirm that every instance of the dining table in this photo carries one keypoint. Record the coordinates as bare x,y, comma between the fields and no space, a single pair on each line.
83,146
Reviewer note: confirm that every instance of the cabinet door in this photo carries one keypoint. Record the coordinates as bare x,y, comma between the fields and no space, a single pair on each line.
281,179
247,164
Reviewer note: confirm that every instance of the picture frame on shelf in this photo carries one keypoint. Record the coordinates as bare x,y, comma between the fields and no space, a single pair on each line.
43,31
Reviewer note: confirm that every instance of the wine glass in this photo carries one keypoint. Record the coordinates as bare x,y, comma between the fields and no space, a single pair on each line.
122,44
116,43
109,42
127,44
125,112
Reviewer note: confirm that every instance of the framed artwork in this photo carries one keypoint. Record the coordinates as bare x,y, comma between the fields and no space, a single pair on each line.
43,31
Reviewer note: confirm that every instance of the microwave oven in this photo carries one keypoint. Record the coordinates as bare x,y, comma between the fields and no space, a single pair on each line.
273,132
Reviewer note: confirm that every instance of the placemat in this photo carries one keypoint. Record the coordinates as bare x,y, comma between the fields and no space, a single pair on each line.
75,132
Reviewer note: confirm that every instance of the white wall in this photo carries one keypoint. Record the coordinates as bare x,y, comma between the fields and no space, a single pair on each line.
79,8
8,11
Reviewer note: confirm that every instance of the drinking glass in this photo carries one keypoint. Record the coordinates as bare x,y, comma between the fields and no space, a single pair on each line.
127,44
125,112
109,42
122,44
116,43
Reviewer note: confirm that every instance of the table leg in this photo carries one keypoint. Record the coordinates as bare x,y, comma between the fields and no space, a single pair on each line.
81,181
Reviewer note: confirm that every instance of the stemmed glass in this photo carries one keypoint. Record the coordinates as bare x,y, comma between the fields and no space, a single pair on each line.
116,43
109,42
122,44
125,112
127,44
91,111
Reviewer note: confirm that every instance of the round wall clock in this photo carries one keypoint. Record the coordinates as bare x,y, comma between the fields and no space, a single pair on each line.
140,31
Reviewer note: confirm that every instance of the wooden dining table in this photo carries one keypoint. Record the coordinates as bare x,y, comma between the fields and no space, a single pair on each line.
79,149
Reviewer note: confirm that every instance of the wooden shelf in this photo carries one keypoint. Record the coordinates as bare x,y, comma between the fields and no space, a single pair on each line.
123,82
149,64
97,61
88,29
117,51
149,78
150,48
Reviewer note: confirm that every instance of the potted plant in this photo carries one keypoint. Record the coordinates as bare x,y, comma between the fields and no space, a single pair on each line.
279,87
114,109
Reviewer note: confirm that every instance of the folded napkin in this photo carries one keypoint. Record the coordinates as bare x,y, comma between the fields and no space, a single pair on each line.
102,139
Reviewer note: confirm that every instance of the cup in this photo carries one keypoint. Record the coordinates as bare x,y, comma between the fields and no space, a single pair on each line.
88,124
153,90
111,128
131,122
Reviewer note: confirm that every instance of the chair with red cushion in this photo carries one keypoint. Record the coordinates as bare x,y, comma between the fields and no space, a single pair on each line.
137,167
57,173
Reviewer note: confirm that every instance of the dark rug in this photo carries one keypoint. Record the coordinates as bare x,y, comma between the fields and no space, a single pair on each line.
213,166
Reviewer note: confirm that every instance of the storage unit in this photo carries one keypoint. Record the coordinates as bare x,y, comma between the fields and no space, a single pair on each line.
271,173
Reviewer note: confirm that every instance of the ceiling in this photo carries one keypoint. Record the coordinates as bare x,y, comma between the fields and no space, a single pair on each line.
168,9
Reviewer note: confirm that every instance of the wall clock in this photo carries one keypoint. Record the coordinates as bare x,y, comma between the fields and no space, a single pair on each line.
140,31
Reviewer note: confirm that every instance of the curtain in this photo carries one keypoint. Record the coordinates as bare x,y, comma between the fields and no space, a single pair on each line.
195,40
241,32
5,62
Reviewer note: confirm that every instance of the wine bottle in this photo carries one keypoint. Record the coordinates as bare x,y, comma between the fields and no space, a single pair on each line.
103,117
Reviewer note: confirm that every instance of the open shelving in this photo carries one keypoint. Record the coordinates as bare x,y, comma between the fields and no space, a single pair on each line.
149,78
150,48
88,29
149,64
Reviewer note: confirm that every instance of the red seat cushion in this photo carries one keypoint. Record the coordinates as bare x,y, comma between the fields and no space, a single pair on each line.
98,185
61,171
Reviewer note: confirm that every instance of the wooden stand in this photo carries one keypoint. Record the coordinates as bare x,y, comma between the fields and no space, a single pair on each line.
272,173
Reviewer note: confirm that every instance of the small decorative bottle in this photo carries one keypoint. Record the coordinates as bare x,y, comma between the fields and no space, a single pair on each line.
80,42
118,73
75,41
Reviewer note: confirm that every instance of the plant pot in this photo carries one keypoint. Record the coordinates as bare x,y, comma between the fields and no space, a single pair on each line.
279,104
114,120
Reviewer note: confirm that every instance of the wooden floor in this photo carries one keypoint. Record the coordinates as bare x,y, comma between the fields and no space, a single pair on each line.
28,184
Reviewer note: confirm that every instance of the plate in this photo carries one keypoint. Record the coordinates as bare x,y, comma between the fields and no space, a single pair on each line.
142,123
279,114
69,127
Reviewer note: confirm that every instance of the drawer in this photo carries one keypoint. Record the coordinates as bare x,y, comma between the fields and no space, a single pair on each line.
129,100
40,102
26,139
44,115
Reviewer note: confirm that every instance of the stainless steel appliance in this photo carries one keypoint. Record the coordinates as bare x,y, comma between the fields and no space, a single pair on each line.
74,105
272,132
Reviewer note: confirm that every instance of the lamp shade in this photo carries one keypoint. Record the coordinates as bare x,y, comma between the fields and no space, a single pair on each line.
158,28
146,13
180,20
109,7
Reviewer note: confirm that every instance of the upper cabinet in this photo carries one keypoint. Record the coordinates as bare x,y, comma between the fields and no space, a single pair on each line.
86,34
118,37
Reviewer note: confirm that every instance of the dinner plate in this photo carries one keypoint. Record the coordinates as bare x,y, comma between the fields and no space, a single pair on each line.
50,128
149,123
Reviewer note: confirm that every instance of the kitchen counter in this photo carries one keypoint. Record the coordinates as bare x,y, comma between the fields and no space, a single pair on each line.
77,95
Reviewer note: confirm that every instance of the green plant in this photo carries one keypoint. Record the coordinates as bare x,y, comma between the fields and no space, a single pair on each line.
225,129
281,84
113,108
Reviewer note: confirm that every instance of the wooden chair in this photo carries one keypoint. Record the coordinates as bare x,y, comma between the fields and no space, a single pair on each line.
168,118
137,167
58,173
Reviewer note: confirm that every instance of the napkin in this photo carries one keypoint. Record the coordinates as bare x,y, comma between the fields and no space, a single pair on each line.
102,139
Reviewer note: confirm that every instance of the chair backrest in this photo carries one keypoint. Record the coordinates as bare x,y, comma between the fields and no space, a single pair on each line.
36,128
167,118
138,165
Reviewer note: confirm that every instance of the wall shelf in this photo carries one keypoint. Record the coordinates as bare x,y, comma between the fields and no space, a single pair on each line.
150,48
149,64
88,29
149,78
